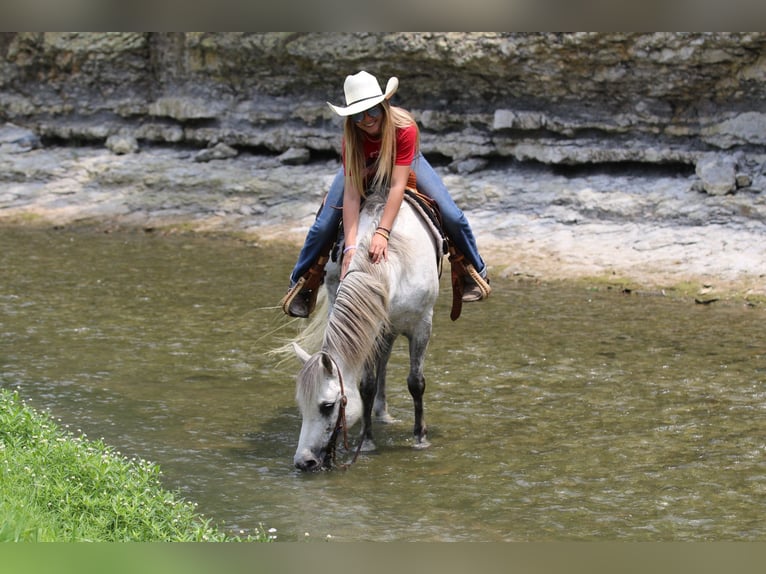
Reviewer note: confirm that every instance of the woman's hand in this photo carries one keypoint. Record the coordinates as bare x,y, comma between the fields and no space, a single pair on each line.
348,254
378,248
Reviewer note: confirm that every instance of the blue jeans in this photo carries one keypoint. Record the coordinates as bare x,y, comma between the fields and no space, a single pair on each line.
325,227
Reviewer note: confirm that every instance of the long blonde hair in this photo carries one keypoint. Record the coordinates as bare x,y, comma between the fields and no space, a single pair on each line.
393,118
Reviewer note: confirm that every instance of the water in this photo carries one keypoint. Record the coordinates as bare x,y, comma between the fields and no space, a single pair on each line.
555,412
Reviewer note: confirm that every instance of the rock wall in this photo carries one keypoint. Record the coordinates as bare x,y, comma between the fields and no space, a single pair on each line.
556,98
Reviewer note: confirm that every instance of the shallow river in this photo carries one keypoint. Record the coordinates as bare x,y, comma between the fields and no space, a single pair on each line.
554,412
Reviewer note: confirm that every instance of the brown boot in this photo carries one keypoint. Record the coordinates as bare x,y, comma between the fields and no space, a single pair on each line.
299,306
475,287
299,301
475,292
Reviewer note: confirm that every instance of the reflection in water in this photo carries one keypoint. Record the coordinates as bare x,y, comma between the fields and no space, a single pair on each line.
554,412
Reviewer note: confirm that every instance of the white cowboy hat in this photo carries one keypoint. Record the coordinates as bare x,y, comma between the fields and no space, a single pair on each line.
363,92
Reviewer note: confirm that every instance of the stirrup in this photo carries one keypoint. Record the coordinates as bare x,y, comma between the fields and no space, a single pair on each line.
482,283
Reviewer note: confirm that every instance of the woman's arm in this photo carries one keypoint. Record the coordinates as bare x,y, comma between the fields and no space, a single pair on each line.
379,244
351,203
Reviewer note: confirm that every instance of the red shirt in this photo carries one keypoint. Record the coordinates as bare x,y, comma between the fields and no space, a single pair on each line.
406,139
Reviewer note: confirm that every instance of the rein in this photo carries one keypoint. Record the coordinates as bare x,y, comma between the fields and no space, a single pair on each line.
340,423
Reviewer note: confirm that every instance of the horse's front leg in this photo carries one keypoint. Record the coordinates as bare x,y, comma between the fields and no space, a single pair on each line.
416,382
380,409
367,389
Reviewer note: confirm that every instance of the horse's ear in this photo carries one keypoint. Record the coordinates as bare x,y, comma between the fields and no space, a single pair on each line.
302,355
327,362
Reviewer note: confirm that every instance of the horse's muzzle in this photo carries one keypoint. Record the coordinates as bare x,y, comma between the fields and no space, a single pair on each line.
309,462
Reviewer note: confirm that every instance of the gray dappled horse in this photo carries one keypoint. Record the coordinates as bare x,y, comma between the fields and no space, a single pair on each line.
369,309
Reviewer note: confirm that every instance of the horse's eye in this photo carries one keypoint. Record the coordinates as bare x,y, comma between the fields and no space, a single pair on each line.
326,409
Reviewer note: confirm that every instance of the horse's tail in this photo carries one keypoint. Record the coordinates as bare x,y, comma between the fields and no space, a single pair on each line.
309,336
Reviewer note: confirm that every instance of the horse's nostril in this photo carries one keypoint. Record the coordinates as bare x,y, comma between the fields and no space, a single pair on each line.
306,465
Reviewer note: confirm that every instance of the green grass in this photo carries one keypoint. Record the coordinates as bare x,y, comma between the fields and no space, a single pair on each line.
55,486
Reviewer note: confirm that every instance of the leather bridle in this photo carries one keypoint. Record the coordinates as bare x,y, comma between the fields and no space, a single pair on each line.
340,423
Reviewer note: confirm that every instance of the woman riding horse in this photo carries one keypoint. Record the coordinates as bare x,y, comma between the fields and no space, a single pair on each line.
380,149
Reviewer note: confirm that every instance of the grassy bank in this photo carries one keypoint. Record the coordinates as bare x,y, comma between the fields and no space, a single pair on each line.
55,486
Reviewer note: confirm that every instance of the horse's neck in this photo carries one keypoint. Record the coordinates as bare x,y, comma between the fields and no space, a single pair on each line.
358,314
350,373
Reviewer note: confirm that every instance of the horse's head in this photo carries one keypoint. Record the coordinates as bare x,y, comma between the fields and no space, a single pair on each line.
328,407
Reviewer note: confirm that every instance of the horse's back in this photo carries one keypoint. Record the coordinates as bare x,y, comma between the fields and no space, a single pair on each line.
413,267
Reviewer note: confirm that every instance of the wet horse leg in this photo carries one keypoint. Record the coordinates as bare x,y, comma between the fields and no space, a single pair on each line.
416,382
380,408
373,391
367,389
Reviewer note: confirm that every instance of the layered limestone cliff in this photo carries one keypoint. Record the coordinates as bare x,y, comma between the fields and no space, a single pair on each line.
571,98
